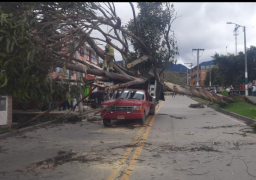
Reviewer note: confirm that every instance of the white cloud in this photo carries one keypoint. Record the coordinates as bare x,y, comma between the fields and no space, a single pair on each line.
203,25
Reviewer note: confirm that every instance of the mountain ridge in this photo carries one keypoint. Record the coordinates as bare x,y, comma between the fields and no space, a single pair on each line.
178,67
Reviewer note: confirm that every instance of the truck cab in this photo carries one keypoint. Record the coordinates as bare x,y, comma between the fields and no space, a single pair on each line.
136,102
133,104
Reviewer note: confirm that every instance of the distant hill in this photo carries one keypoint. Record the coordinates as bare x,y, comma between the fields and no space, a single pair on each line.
120,62
177,67
207,63
182,68
175,77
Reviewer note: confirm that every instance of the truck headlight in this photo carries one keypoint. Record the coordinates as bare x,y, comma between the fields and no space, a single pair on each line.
103,106
137,108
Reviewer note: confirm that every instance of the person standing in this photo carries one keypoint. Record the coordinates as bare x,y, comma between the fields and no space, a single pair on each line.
250,88
74,101
253,88
242,88
228,90
109,58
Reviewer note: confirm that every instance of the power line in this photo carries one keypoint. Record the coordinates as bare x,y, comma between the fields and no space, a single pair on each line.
226,46
202,54
197,83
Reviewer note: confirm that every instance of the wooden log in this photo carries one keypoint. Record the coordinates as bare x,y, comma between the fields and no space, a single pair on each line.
137,61
199,92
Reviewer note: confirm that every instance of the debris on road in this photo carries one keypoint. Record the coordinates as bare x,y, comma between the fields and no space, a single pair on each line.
198,105
224,126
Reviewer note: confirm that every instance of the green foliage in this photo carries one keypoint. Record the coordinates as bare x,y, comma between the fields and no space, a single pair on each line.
238,106
5,129
224,93
198,105
215,77
22,74
230,69
153,22
73,119
26,56
175,77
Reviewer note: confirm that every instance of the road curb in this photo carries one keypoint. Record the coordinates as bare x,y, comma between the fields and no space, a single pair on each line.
234,115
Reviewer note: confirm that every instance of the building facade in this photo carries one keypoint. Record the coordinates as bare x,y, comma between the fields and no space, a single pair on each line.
203,69
86,54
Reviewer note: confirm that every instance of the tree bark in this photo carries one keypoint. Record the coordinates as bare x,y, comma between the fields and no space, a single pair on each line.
199,92
137,61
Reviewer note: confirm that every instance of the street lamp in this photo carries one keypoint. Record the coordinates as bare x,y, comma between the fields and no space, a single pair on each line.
245,58
210,77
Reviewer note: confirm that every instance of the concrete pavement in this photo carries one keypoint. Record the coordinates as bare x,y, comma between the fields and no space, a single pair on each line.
251,99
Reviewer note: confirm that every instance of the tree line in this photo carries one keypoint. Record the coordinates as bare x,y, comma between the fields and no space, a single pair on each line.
230,69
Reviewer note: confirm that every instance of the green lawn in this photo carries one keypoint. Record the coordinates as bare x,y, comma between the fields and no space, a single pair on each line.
238,107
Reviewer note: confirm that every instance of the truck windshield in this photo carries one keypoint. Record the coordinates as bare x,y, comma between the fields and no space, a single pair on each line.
129,94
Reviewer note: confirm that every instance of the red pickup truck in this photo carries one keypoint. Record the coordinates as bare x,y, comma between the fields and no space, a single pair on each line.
134,104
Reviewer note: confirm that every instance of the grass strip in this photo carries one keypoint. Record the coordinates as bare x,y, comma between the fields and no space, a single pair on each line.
238,106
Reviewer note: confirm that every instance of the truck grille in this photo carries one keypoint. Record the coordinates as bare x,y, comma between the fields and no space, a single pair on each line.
121,109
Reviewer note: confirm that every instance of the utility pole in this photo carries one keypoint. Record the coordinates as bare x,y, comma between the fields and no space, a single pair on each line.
246,73
235,34
245,58
190,72
78,77
197,76
210,77
187,76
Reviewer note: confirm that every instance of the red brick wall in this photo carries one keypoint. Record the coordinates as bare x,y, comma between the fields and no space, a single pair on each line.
202,77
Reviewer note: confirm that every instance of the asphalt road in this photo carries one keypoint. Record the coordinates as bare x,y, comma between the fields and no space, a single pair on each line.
178,143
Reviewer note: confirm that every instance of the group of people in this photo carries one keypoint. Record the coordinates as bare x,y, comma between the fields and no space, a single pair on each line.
251,88
65,105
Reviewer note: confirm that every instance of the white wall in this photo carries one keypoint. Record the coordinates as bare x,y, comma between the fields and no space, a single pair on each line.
3,110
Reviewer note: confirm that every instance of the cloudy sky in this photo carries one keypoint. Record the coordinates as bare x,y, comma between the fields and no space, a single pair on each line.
204,26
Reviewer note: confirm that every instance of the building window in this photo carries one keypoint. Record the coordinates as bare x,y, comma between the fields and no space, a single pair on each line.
100,62
94,60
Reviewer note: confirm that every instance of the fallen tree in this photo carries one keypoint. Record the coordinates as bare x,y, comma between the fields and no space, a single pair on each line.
199,92
39,36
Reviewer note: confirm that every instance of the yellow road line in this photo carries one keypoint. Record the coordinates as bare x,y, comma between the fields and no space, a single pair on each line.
127,153
129,169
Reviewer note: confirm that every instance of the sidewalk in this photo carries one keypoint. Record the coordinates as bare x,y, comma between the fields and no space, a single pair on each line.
55,111
251,99
40,112
89,116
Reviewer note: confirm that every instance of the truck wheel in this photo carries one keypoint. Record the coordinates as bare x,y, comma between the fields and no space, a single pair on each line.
106,122
152,110
142,121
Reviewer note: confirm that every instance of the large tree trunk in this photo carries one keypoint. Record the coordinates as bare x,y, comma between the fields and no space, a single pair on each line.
199,92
